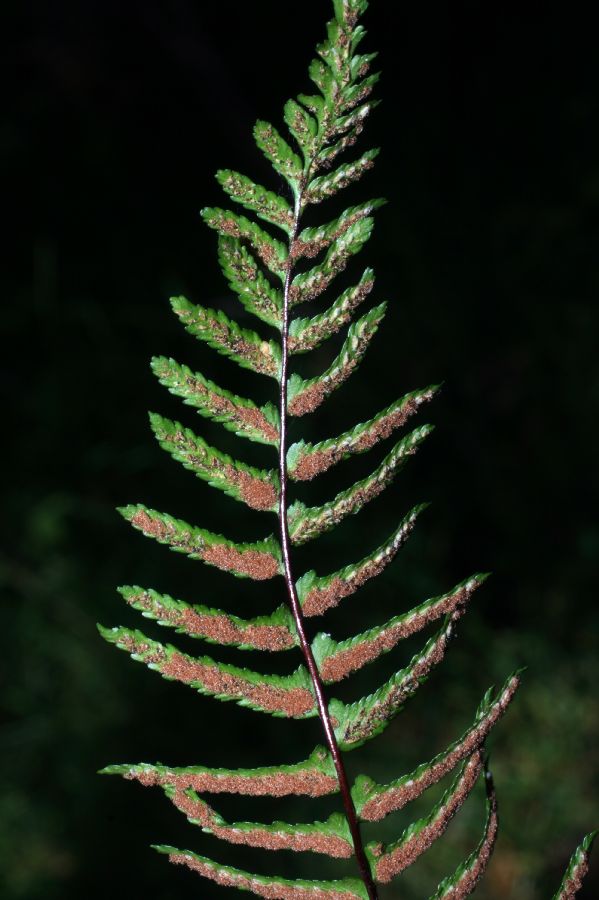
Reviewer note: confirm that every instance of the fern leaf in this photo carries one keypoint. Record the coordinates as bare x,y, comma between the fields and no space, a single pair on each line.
282,696
306,395
308,523
279,154
260,560
306,461
274,632
312,241
222,334
329,154
303,127
310,284
270,888
236,414
577,869
307,334
259,489
272,252
389,861
246,278
314,777
318,594
328,185
466,877
366,718
374,802
331,838
270,277
338,659
268,206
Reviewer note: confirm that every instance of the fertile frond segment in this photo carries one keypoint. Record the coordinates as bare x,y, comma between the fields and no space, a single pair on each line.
374,802
314,240
307,334
466,877
331,838
267,205
306,395
366,718
244,347
314,777
338,659
308,523
274,632
269,888
260,560
272,252
280,154
306,461
288,696
237,414
312,283
389,861
328,185
577,869
257,488
317,594
248,281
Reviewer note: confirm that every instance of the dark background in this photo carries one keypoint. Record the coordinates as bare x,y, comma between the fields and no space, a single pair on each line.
116,118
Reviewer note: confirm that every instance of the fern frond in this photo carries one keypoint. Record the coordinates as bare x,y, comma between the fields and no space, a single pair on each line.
317,594
308,523
270,888
260,424
306,461
287,696
314,777
274,632
257,488
260,560
388,861
243,346
306,394
270,277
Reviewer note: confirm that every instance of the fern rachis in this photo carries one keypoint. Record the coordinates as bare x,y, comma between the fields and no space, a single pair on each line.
273,266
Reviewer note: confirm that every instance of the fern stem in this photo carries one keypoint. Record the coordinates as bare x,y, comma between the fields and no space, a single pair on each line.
321,702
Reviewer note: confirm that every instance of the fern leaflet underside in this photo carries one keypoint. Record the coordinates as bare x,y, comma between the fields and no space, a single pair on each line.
272,274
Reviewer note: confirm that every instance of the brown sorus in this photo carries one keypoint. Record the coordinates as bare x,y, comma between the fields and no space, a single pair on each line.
221,628
256,564
309,782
